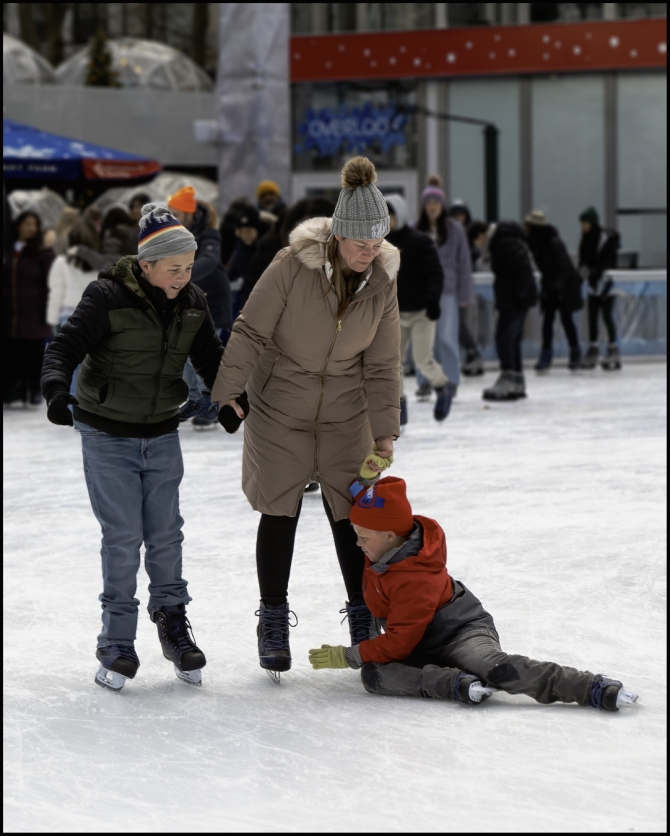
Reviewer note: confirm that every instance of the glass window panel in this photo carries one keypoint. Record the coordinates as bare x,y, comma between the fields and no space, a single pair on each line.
568,139
495,100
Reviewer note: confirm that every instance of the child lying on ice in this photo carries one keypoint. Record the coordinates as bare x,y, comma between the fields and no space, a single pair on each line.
438,640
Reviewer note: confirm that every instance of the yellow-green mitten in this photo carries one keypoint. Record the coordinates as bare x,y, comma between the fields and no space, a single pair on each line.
328,656
365,473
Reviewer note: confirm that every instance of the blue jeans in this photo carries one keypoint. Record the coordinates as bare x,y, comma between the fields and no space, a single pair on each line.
133,484
196,385
446,341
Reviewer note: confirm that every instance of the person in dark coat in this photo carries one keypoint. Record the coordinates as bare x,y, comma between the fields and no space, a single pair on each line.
25,293
227,229
249,229
132,332
560,287
473,364
515,293
210,276
598,254
420,280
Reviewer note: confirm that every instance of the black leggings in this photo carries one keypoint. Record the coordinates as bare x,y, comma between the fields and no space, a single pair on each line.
548,327
606,305
274,553
23,367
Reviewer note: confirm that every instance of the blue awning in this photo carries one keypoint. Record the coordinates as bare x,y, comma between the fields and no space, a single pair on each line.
31,154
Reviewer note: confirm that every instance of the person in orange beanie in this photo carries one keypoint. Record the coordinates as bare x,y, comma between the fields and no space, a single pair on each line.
183,206
438,640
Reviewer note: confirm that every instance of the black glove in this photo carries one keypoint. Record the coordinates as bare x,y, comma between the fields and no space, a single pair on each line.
433,311
228,418
57,410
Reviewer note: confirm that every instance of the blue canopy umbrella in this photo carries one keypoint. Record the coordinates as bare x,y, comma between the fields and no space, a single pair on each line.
31,154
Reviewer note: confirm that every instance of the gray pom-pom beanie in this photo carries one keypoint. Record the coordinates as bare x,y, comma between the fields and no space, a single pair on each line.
161,235
361,212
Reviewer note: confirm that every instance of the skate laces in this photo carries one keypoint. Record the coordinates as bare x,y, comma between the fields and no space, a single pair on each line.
360,622
600,684
178,629
274,624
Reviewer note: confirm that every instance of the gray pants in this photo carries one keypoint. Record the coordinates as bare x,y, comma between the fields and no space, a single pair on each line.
415,327
477,651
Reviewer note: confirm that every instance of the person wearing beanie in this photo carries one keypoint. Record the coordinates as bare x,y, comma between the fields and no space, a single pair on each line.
317,351
420,282
457,285
438,641
560,288
268,196
598,249
133,331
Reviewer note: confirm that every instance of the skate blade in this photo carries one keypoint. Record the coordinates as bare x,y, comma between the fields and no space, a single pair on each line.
189,677
110,679
275,676
626,698
199,428
478,692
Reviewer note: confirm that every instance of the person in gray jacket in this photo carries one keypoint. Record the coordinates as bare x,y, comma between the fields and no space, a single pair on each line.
458,287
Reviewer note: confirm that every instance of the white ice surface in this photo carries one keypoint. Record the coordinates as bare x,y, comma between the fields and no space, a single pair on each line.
554,510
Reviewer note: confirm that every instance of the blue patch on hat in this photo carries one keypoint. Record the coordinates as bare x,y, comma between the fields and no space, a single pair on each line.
369,500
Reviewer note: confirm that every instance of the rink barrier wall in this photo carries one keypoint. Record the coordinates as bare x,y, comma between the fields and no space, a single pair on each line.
640,315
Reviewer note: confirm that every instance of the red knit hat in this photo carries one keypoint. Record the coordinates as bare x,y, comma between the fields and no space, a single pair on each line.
384,507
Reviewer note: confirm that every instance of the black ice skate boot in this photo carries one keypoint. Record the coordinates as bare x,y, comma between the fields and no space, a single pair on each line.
403,411
118,662
274,652
424,391
575,359
362,625
609,694
519,384
544,362
612,360
590,360
469,689
473,365
445,396
504,389
177,640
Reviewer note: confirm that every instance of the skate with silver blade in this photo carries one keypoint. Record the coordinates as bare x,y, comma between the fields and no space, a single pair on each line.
118,662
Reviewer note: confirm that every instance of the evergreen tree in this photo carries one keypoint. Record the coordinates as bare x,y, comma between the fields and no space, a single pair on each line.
100,71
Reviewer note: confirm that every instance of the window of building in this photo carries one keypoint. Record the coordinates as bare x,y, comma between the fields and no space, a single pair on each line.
642,9
545,12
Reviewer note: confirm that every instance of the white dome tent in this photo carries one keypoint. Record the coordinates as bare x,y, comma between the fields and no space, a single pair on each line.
22,65
141,63
44,202
160,189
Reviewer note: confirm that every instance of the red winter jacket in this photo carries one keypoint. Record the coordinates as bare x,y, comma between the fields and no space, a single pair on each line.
406,594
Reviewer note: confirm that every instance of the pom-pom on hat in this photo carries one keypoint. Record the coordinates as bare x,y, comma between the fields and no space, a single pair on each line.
267,187
384,507
184,200
161,235
361,212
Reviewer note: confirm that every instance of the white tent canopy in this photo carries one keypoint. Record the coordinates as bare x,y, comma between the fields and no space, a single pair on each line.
160,189
22,65
141,63
46,203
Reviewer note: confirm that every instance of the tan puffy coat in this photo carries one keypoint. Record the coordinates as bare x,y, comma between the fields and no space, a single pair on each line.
319,390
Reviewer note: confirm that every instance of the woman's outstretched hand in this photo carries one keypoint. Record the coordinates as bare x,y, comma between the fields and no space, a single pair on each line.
384,447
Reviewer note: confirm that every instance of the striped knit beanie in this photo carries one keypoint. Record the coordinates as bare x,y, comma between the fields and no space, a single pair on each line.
434,193
161,235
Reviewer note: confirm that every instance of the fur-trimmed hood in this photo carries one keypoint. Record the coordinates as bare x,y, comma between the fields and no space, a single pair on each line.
309,239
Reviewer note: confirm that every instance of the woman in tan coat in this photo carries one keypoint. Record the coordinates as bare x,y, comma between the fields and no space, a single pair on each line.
317,349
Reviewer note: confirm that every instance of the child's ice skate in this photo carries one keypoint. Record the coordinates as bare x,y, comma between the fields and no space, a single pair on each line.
469,689
612,360
609,694
362,625
118,662
176,638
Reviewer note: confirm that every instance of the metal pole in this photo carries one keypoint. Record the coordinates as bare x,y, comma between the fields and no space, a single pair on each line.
491,173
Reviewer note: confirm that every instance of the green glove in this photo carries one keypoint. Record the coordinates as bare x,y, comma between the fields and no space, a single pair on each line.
328,657
366,473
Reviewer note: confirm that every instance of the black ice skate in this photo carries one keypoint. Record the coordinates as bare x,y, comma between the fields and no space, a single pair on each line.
612,360
176,638
473,365
469,689
609,694
424,392
445,396
575,359
312,487
362,625
274,652
590,360
118,662
544,362
504,389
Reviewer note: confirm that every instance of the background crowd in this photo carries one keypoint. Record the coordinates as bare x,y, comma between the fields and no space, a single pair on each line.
45,272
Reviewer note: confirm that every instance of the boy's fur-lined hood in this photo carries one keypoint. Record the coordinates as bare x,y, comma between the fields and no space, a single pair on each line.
308,243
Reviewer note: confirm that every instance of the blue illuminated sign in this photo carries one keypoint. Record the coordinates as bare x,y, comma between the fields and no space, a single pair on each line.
351,129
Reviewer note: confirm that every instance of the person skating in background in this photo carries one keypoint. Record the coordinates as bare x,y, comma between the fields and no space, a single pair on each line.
26,265
210,276
117,236
438,641
269,199
473,364
227,228
420,280
66,220
515,293
135,208
132,332
249,229
317,350
597,254
477,240
560,288
457,289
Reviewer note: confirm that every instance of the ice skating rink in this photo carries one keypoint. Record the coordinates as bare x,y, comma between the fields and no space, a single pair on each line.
554,510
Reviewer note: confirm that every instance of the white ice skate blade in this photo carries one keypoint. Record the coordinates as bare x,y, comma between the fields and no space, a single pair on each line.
199,428
275,676
190,677
477,691
110,679
626,698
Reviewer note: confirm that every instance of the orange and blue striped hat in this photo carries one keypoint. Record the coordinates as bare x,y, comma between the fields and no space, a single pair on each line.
161,235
